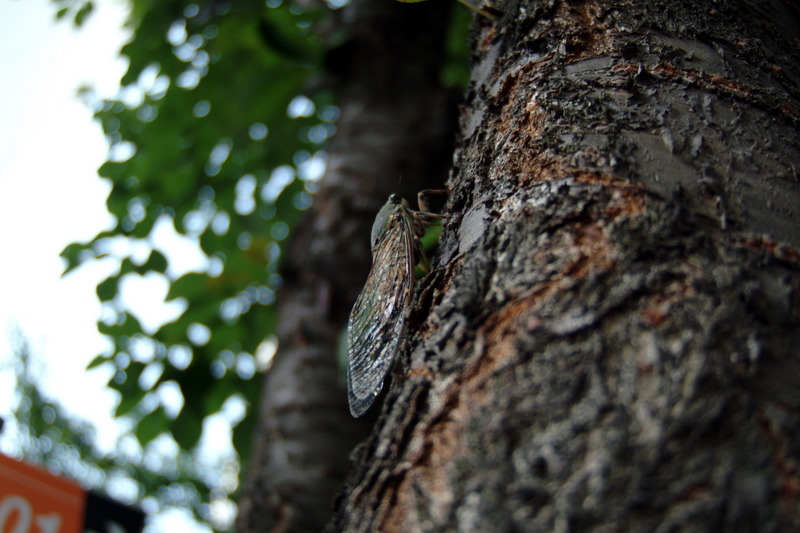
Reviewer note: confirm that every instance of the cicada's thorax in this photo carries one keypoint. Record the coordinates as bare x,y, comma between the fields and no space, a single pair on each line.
396,213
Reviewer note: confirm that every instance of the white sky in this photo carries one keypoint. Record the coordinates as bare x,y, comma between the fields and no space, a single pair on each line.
50,195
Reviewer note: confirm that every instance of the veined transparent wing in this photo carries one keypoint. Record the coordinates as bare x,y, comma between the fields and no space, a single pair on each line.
377,321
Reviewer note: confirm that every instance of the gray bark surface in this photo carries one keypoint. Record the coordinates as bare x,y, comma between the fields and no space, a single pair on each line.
394,135
609,339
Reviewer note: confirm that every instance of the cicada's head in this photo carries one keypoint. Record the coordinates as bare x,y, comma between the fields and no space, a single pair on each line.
381,224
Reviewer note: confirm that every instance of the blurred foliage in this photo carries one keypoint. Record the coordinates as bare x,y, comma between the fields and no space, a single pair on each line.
47,435
77,10
217,133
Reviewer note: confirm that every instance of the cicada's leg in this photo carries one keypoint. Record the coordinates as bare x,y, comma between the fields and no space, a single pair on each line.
424,211
424,218
424,263
489,12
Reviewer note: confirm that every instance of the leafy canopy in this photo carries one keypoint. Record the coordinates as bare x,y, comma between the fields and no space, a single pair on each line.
217,133
213,133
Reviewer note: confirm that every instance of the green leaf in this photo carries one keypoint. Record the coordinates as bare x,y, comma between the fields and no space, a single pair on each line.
187,427
111,170
155,263
244,434
142,229
107,289
151,426
74,254
127,328
128,402
97,361
188,286
84,11
217,395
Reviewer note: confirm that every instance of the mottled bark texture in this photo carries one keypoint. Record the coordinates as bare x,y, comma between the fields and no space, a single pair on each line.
394,135
609,340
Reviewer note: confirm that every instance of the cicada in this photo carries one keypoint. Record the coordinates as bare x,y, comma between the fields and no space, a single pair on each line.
378,319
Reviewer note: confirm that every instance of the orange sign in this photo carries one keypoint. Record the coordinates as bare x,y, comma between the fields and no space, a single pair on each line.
34,501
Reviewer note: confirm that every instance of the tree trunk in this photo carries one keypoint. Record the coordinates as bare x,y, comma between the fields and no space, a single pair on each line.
609,338
394,135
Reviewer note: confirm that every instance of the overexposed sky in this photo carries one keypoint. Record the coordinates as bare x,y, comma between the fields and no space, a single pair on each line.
50,195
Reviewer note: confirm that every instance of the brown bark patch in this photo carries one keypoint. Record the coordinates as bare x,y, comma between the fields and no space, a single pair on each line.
425,477
707,81
588,35
772,248
663,302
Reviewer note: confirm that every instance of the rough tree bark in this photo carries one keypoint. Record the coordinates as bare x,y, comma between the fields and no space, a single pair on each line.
609,339
394,135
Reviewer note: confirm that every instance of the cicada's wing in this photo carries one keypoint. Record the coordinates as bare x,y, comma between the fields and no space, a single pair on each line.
377,321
